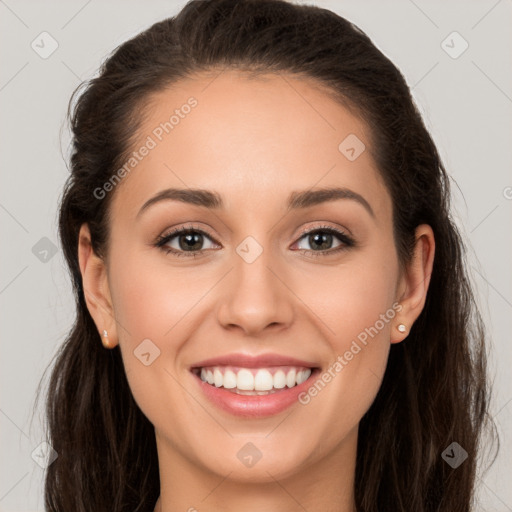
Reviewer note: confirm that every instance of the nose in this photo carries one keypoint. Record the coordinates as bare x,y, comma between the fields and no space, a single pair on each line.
255,297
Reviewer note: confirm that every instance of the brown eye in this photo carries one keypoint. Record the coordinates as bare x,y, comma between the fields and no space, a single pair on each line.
321,240
185,240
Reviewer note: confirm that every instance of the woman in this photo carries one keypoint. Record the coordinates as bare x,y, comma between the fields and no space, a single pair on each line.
257,224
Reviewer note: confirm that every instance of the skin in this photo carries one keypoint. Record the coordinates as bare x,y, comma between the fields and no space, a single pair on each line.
253,142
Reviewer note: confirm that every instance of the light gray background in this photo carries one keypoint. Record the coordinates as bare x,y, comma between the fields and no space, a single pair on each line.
467,105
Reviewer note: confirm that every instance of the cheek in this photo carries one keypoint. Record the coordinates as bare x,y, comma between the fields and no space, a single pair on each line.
355,309
347,299
150,299
151,308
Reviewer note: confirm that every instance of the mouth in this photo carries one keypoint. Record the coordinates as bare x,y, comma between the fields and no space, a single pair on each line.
254,386
253,381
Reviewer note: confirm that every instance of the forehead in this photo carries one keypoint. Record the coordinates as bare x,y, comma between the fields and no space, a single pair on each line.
271,134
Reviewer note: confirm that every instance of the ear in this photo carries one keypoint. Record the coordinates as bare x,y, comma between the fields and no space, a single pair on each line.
96,288
413,285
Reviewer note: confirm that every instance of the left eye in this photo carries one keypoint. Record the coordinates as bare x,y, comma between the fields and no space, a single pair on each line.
322,239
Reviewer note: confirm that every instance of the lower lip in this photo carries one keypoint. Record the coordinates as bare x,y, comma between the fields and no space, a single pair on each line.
254,406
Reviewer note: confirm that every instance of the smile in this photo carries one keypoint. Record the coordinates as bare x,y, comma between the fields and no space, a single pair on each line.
253,386
253,381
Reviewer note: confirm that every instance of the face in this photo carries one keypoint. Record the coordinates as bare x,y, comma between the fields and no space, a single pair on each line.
271,284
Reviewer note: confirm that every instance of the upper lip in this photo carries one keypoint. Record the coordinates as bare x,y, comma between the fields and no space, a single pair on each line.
250,361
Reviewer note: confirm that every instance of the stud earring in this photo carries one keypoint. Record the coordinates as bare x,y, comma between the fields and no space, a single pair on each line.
402,328
105,341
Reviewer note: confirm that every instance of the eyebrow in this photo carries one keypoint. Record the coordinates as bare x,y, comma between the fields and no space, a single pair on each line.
297,199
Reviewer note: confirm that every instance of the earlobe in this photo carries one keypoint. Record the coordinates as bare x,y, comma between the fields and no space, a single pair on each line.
415,282
96,288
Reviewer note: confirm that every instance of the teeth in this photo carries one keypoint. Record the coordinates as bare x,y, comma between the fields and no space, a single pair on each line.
290,379
229,379
258,381
218,379
279,379
263,381
245,380
301,377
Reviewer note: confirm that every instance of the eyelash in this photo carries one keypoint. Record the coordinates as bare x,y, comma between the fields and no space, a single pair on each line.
343,237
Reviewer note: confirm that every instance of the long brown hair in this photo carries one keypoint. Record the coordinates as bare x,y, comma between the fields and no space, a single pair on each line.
435,390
